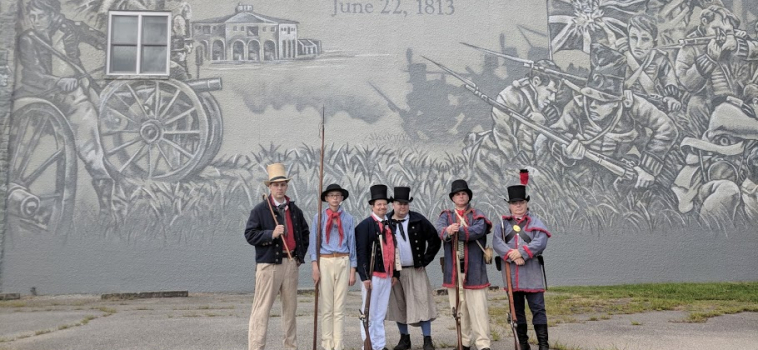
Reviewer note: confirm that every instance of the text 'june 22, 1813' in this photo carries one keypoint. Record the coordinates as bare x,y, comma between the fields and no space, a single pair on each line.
394,7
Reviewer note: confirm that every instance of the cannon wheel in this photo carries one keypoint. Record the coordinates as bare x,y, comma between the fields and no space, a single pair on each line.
153,130
42,171
215,128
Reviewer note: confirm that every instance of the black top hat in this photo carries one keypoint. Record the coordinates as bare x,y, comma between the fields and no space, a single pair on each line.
378,192
332,188
402,195
458,186
517,193
607,74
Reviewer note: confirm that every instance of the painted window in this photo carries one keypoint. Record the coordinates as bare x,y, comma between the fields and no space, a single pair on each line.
138,43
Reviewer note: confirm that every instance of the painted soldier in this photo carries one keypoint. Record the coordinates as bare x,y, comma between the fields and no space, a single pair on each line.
335,271
411,301
51,68
610,121
649,72
720,177
375,245
520,238
711,72
279,232
469,228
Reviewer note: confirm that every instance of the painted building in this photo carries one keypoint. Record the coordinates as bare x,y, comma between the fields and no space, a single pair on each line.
249,36
128,163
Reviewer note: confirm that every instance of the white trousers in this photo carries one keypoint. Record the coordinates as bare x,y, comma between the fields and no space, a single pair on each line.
380,298
335,275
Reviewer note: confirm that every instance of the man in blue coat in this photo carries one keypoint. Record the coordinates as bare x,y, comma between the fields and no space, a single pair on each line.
469,270
520,239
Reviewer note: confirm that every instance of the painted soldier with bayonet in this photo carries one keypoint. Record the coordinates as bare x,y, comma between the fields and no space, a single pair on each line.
338,262
411,300
378,266
279,232
463,231
519,240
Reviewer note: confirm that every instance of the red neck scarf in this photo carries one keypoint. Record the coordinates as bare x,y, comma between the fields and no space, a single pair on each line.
388,250
333,216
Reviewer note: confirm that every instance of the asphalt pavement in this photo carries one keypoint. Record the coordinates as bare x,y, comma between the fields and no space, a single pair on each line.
219,321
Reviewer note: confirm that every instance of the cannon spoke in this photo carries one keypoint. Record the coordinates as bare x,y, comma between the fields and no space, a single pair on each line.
124,145
32,145
137,101
182,132
180,116
133,158
165,157
124,116
178,148
42,167
169,104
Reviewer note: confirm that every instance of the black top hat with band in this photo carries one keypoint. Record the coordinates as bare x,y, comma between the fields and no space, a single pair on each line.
332,188
517,193
402,195
378,192
458,186
607,74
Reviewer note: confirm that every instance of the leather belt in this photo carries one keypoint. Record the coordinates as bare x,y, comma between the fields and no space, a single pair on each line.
334,255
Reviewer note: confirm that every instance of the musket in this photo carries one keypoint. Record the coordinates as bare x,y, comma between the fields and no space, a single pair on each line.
393,107
318,229
456,273
703,40
616,167
364,314
276,222
512,319
529,64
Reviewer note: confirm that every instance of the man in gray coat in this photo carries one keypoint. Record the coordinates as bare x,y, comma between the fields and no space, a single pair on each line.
520,239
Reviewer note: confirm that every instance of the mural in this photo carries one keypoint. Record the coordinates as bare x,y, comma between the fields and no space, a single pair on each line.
632,116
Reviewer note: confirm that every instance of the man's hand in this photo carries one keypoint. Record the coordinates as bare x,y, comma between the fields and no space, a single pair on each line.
351,280
520,261
394,281
316,274
67,84
452,229
537,117
514,254
672,104
367,284
278,231
574,150
644,179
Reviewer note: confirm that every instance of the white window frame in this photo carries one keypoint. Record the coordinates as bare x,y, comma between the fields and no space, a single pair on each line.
138,67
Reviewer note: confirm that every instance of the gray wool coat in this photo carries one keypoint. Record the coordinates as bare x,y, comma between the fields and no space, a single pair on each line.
528,277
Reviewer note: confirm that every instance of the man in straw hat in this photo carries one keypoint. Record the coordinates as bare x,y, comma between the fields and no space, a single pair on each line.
520,238
376,241
411,300
469,270
279,232
338,262
609,120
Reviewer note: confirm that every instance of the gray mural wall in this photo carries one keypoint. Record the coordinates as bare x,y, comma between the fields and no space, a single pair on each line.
636,119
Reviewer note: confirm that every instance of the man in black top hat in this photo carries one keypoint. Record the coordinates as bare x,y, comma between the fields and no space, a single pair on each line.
335,270
469,271
375,242
520,238
411,300
609,120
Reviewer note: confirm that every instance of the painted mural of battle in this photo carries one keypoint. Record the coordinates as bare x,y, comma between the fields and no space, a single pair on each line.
631,115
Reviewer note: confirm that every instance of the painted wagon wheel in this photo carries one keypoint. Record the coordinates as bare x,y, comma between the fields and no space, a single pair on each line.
42,170
215,128
152,130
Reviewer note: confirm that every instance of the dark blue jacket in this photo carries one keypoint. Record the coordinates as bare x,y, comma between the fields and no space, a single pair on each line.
260,230
425,243
366,234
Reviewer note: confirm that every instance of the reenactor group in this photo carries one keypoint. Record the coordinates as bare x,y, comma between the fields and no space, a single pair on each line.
390,252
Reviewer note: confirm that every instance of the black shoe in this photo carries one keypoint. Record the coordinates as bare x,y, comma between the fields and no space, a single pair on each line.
404,343
428,345
523,338
541,330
